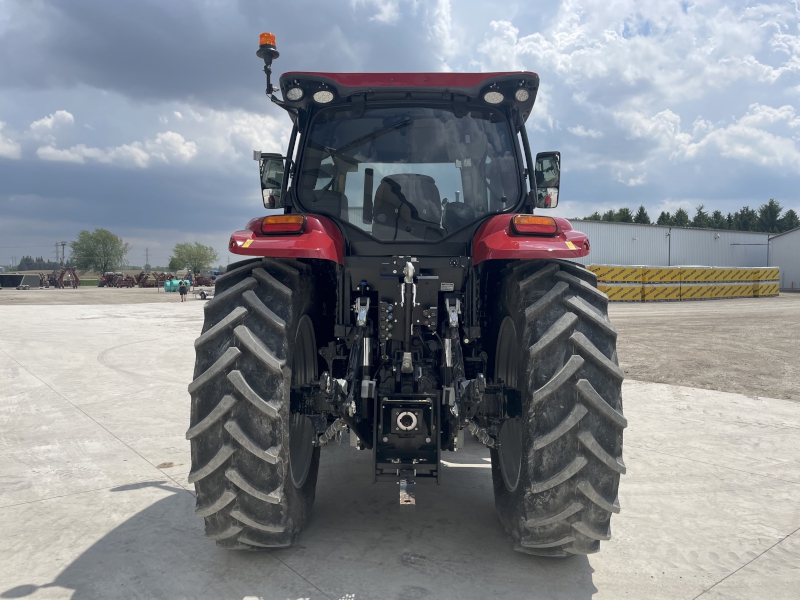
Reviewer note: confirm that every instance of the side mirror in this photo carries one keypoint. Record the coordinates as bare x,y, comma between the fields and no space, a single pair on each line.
548,178
271,167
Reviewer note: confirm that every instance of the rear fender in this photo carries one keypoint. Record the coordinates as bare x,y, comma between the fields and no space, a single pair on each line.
495,240
321,238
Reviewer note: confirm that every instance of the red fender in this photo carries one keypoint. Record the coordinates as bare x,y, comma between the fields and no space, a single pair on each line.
495,240
320,239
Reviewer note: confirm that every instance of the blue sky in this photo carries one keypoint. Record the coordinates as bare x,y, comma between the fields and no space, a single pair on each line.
141,116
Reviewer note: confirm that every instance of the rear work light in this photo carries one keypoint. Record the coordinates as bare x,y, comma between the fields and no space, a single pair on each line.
283,224
323,96
534,225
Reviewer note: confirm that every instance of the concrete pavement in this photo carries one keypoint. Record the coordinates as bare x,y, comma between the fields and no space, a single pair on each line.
94,501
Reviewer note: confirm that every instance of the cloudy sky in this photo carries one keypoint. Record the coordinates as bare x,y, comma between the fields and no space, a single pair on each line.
141,116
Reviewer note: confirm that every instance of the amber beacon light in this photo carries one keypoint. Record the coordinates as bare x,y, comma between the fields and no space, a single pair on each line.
268,51
267,39
534,225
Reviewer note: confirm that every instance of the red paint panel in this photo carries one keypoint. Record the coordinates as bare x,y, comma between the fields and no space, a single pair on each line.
495,240
438,80
321,239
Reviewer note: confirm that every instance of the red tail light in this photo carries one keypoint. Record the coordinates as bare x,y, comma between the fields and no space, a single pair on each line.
534,225
278,224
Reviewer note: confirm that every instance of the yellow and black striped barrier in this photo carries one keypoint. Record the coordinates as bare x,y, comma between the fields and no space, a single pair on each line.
622,283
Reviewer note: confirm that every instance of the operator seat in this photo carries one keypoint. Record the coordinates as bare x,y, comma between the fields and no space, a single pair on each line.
407,207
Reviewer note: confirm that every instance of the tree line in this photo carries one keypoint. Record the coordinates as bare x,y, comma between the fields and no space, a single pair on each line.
767,219
28,263
103,251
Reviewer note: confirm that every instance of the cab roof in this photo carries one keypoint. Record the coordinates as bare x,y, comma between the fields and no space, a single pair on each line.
412,86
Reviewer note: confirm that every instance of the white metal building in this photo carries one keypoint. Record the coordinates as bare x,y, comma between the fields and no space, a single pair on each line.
784,252
656,245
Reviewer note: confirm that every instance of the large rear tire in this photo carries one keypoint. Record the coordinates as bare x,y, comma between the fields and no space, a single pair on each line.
556,471
254,462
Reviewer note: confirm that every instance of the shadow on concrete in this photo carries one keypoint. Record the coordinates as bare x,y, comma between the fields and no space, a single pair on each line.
358,545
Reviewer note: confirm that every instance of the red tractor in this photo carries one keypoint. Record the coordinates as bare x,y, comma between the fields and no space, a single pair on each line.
408,293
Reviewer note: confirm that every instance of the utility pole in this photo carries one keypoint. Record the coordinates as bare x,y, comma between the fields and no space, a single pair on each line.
147,259
63,246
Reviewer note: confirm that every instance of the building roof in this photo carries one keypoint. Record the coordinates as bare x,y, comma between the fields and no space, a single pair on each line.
673,226
777,235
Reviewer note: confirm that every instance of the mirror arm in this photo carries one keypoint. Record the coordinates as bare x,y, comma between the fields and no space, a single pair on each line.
287,168
531,200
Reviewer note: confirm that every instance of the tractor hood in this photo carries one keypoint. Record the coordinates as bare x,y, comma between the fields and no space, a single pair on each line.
301,90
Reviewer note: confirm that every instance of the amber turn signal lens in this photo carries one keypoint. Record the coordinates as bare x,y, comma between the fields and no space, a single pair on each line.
534,225
267,39
283,224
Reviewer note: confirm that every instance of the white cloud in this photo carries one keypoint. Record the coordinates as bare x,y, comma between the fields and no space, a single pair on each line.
441,32
581,131
233,135
500,49
50,122
664,128
634,181
8,147
168,147
388,11
171,146
54,154
679,53
747,139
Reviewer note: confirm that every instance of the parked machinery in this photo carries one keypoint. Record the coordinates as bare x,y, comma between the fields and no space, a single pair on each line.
147,280
67,278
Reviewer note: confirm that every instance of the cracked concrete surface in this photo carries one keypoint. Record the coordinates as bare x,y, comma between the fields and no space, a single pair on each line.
93,410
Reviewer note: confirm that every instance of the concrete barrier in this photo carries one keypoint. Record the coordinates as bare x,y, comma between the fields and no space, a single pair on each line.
623,283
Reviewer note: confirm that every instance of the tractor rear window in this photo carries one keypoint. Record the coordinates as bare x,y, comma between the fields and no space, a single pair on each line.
409,173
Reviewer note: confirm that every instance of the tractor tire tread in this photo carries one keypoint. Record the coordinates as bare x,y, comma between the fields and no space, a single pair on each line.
571,386
239,427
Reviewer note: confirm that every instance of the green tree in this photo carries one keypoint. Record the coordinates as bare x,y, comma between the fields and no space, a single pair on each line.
595,216
769,216
717,220
700,218
664,218
681,218
641,216
98,250
745,220
624,215
609,215
194,256
730,221
789,221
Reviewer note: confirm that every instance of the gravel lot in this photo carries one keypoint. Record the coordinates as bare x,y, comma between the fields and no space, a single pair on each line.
749,346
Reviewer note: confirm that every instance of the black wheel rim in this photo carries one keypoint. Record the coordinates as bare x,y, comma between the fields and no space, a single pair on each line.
301,429
510,435
506,364
510,452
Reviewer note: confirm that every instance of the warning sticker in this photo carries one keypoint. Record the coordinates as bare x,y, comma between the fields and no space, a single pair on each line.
247,244
571,246
446,287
